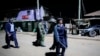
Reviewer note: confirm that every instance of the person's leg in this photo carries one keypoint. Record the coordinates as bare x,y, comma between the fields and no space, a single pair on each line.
53,45
63,52
37,40
42,41
15,40
57,50
7,39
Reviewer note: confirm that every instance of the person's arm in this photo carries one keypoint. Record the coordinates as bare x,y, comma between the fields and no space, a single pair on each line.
65,32
66,36
7,29
47,26
56,34
15,29
41,29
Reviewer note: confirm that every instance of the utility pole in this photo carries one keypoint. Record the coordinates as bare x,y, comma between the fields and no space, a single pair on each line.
38,11
79,12
38,4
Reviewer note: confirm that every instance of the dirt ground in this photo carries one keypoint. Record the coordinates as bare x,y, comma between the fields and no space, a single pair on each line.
77,46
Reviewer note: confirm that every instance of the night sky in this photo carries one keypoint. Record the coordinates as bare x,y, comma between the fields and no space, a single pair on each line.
68,8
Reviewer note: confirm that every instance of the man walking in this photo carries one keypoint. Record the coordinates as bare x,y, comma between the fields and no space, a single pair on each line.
40,34
10,33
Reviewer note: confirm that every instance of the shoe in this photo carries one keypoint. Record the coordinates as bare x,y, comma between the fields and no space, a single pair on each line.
62,55
43,45
16,47
52,48
58,55
7,47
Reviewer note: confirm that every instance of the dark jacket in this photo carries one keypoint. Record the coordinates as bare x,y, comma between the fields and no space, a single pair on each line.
60,35
8,27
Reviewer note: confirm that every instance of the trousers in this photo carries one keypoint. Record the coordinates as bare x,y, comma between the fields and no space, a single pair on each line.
58,48
12,37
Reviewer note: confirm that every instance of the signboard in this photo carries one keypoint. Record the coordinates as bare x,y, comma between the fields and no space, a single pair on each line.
31,15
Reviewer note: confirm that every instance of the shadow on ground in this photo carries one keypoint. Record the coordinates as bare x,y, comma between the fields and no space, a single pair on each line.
6,47
50,54
35,44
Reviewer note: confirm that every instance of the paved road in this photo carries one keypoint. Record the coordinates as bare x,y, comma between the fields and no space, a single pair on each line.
77,47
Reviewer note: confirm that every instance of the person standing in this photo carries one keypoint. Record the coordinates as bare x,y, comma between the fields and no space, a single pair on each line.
40,34
10,33
60,37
